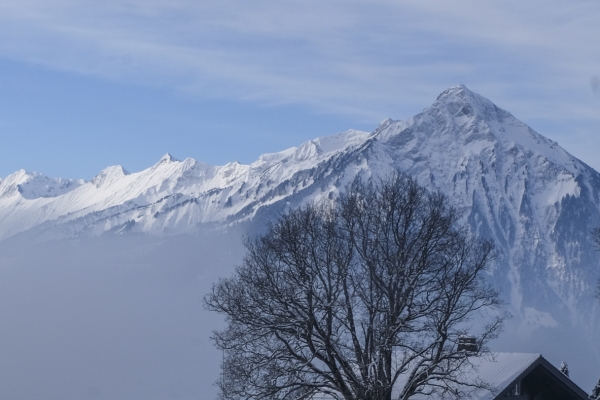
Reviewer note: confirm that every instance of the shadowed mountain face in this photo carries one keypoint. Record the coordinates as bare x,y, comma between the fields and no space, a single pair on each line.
536,201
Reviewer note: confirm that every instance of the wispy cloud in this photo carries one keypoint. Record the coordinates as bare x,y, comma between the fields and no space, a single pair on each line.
370,59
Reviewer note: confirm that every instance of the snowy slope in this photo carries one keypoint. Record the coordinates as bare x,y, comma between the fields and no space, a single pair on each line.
511,184
172,194
533,198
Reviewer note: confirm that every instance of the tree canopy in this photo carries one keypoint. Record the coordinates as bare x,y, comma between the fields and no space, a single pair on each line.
564,368
595,394
362,298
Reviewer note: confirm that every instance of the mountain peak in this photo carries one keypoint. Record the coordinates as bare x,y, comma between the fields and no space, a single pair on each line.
167,158
461,101
33,185
385,123
20,175
454,93
109,175
461,95
469,123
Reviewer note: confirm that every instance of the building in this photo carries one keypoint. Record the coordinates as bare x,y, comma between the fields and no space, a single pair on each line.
516,376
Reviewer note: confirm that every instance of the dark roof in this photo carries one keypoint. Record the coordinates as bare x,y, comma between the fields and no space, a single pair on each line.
502,371
542,372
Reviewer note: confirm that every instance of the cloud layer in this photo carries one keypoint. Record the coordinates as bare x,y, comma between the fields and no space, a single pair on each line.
369,60
338,56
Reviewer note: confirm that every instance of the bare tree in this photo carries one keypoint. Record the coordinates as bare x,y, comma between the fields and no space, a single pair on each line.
360,299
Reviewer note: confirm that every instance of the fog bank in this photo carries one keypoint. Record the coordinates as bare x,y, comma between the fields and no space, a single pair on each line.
121,318
111,317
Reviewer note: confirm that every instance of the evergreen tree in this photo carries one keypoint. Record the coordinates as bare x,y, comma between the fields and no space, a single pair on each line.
564,368
595,395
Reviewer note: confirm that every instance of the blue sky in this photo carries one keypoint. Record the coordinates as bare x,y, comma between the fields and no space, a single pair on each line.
88,84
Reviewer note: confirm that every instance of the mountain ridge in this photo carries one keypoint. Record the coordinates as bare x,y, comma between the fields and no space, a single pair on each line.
182,221
511,184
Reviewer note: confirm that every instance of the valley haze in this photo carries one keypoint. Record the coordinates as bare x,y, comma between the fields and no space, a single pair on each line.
102,280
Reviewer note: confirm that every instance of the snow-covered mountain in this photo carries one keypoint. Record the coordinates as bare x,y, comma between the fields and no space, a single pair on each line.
170,195
533,198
